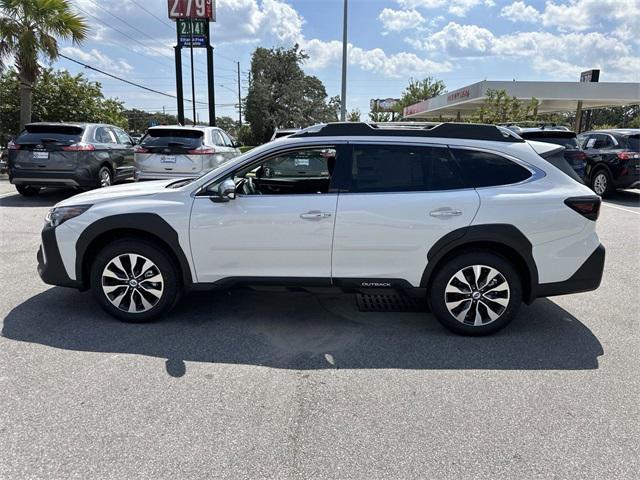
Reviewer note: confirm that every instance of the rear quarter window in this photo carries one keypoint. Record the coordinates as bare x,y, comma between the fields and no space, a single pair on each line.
634,143
484,169
166,137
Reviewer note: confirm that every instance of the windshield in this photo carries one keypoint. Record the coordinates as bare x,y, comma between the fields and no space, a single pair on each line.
565,141
50,133
166,137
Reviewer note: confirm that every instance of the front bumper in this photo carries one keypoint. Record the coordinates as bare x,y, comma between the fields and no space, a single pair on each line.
586,278
50,266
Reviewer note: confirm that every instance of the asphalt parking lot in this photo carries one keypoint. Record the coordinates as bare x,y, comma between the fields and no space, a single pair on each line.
275,384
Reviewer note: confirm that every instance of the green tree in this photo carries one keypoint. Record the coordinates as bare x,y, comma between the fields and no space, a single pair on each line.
139,120
499,107
228,124
281,95
57,97
30,29
419,90
377,115
354,115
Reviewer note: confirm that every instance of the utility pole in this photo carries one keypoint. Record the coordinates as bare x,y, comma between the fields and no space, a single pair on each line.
193,76
239,99
211,78
179,89
343,97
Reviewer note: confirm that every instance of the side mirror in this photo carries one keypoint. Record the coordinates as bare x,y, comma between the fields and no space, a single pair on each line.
236,144
226,192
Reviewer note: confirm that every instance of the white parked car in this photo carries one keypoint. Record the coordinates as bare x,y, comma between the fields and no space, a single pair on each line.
182,152
468,215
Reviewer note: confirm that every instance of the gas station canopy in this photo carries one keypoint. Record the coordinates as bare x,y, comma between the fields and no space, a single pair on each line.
553,97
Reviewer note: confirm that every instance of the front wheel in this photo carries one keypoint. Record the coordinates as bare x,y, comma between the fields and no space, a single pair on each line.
27,190
476,293
135,281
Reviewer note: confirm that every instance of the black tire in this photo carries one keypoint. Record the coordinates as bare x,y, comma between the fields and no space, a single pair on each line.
105,177
27,190
599,179
489,294
161,294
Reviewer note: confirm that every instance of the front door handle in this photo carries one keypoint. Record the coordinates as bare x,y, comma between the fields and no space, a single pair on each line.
445,212
315,215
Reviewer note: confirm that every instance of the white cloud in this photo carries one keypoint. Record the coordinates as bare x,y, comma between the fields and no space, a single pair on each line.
324,54
578,15
560,55
398,20
96,58
520,12
455,7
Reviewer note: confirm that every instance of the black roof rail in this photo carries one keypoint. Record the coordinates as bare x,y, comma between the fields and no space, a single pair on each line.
471,131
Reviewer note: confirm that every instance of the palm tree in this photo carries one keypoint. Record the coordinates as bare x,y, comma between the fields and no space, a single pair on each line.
30,29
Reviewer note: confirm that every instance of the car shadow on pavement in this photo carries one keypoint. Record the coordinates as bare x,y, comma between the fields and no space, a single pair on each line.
625,198
46,198
303,331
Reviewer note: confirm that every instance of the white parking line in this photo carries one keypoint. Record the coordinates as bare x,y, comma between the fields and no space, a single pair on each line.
620,208
8,194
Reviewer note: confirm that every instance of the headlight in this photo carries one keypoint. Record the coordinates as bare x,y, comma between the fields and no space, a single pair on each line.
59,215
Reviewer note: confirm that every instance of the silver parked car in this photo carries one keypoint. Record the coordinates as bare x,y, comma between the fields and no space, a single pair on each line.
175,151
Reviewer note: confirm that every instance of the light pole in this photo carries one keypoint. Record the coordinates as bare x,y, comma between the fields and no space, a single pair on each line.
343,96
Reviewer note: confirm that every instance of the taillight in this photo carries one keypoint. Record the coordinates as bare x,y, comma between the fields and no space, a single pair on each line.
628,155
79,147
580,156
13,146
202,151
588,207
140,150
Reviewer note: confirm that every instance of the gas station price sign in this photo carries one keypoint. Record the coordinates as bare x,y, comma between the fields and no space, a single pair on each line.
204,9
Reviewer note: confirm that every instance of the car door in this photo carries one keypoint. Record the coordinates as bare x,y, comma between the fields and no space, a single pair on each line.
401,200
220,144
284,230
105,141
125,152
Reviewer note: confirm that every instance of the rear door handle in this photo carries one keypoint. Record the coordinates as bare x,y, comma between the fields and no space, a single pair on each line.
445,212
315,215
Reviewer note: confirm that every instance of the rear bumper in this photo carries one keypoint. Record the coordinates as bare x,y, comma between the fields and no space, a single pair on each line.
84,177
586,278
50,266
143,176
630,180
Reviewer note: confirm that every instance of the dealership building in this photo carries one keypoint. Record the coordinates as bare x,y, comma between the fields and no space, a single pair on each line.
552,97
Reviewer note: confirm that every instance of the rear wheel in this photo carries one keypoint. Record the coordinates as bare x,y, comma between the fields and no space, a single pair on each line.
601,183
135,281
27,190
105,178
476,293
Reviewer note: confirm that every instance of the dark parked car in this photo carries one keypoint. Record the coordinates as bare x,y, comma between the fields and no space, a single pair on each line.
573,154
613,159
80,155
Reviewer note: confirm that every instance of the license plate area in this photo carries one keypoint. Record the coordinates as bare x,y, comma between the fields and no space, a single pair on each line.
40,155
167,159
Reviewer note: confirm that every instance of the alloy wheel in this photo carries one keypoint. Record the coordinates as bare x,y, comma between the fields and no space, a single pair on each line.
132,283
600,184
477,295
105,178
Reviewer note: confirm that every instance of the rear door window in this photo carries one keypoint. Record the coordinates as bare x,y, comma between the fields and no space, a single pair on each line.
484,169
104,135
50,134
167,137
217,138
403,168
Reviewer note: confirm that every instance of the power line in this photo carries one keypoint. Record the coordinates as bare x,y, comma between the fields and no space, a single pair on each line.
153,14
126,81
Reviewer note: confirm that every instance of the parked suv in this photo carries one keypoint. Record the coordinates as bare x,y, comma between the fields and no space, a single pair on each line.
573,154
469,216
182,152
81,155
613,159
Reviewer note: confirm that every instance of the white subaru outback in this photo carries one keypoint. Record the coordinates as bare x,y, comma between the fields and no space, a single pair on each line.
470,216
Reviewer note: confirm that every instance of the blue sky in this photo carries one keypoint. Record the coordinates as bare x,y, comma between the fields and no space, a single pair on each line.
390,41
